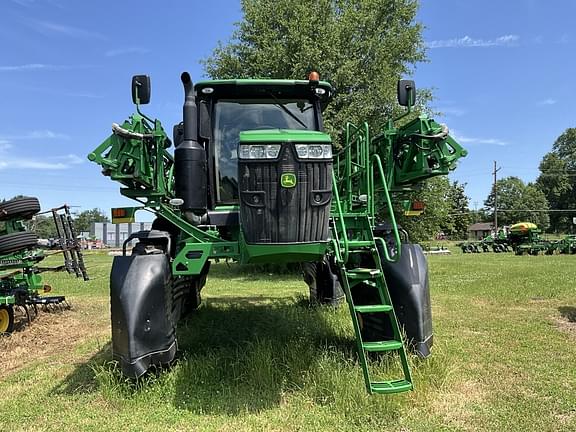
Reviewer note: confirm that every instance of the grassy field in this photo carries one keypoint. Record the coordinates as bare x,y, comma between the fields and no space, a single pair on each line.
256,357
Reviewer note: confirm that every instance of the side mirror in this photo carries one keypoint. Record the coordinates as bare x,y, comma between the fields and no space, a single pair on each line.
178,134
140,89
406,93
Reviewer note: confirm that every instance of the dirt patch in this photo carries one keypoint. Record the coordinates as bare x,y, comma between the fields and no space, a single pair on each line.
566,326
52,333
567,320
457,405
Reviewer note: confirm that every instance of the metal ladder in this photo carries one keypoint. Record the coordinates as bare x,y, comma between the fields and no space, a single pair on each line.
358,258
362,277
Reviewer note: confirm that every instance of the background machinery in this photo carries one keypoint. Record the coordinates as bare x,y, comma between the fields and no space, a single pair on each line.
21,284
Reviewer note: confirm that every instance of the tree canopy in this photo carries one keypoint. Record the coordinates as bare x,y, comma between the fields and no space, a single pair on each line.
84,220
361,47
456,224
557,179
517,202
425,227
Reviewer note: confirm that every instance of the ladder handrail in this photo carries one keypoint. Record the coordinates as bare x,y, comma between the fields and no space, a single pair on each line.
376,161
344,257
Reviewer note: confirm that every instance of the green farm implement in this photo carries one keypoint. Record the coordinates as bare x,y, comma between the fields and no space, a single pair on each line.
254,178
21,283
567,245
495,243
525,239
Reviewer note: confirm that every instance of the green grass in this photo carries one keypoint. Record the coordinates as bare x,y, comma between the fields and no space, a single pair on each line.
256,357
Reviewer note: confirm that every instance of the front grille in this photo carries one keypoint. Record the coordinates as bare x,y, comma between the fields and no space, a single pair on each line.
270,213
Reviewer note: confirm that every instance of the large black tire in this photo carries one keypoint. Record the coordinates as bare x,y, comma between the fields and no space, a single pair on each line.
17,241
323,283
24,207
6,319
373,326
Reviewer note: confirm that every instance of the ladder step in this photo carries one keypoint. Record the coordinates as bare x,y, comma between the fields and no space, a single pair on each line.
373,308
356,216
360,243
362,273
391,345
387,387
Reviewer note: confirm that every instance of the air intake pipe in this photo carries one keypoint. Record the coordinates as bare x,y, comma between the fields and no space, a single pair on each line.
190,170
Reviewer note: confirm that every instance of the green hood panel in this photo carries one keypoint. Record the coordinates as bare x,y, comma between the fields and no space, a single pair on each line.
284,135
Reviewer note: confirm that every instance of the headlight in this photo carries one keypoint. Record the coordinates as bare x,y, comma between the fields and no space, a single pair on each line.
314,151
258,151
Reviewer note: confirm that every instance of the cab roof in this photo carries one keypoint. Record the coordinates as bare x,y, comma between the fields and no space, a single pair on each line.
255,88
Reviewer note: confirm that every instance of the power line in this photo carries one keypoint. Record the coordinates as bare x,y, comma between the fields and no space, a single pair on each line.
495,197
518,210
538,210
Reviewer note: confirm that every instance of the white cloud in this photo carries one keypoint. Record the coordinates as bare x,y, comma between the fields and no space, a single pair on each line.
126,51
462,139
41,67
468,42
29,3
47,28
33,66
81,95
548,101
25,3
564,39
8,161
34,135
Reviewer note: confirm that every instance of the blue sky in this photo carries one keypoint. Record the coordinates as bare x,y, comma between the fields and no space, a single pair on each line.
502,74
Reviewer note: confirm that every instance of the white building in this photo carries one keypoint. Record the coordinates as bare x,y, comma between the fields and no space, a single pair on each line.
114,234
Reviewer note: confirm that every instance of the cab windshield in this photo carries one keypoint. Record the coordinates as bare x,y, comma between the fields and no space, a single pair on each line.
234,116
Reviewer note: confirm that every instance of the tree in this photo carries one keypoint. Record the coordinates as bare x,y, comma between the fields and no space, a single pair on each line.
557,179
43,226
84,220
459,219
434,194
517,202
361,47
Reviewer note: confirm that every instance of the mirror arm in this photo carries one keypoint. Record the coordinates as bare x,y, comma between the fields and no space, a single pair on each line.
142,114
138,106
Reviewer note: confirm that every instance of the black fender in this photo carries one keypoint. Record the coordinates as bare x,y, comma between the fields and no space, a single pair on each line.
143,331
409,289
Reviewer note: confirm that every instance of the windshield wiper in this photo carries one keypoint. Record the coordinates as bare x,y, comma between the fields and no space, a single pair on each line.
286,110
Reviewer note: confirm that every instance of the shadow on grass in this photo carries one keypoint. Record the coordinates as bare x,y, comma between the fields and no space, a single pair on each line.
83,379
236,355
240,300
568,312
243,356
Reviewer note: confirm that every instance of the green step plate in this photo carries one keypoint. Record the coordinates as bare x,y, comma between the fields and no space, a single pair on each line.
387,387
362,273
380,346
373,308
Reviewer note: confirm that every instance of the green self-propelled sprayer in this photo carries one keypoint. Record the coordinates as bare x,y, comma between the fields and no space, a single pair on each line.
255,178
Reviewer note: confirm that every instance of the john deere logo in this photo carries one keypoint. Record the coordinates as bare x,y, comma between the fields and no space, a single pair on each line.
288,180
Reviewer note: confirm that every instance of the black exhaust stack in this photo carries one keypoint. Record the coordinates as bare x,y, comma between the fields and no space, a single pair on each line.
190,170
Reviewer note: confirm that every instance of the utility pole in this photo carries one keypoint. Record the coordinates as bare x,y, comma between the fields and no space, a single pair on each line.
475,211
495,198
